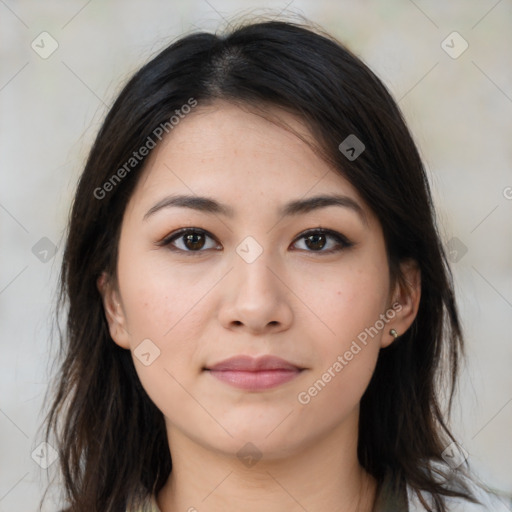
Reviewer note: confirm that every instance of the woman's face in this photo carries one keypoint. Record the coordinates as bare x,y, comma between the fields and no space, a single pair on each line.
254,278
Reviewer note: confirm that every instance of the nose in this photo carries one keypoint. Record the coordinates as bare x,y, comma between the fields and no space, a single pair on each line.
256,298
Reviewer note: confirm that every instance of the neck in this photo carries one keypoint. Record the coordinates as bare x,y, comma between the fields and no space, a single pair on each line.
315,478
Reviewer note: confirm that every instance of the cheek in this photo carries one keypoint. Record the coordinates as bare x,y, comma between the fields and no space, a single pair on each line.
173,322
165,318
350,302
346,298
347,358
333,394
159,299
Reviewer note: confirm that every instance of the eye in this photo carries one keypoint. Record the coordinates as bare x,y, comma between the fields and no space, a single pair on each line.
316,240
193,240
188,240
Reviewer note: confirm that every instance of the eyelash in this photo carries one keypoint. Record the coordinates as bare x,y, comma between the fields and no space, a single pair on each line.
342,241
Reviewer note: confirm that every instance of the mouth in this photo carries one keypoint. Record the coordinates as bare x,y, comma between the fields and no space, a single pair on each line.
254,374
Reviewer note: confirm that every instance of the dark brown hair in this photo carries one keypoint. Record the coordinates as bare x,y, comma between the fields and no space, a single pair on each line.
111,438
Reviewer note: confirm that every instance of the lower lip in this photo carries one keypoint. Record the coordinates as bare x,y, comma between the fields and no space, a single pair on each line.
254,381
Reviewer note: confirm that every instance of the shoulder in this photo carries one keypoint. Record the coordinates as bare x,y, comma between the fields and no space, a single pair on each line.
488,502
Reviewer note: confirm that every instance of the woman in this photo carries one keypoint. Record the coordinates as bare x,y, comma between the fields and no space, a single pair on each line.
260,308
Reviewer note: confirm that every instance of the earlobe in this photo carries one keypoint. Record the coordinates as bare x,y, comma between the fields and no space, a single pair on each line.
406,301
113,311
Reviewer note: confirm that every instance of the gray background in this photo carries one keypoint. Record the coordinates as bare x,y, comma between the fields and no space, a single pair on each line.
459,110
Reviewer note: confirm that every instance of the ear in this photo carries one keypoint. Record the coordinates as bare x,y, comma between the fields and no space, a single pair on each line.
404,300
113,311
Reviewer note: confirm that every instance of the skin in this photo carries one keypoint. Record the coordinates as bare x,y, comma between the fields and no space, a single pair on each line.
293,301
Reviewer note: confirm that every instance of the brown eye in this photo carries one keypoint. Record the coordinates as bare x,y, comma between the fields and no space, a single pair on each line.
316,241
189,240
194,241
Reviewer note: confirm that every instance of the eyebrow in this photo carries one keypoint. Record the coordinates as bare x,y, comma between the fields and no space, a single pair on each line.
293,208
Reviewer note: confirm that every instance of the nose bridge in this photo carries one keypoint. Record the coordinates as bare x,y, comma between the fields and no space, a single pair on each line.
252,267
256,297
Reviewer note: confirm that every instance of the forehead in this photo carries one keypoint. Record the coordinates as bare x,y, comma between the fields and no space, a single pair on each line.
232,152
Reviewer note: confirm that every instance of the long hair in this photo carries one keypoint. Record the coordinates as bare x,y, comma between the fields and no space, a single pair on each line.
111,438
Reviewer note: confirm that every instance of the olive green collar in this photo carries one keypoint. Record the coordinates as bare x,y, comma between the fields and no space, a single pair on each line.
392,495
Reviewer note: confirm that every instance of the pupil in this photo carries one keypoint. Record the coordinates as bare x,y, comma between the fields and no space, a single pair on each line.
191,241
317,239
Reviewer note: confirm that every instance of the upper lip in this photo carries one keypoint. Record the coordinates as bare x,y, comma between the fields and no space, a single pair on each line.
253,364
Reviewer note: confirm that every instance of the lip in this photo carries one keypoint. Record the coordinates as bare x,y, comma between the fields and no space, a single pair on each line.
250,373
253,364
